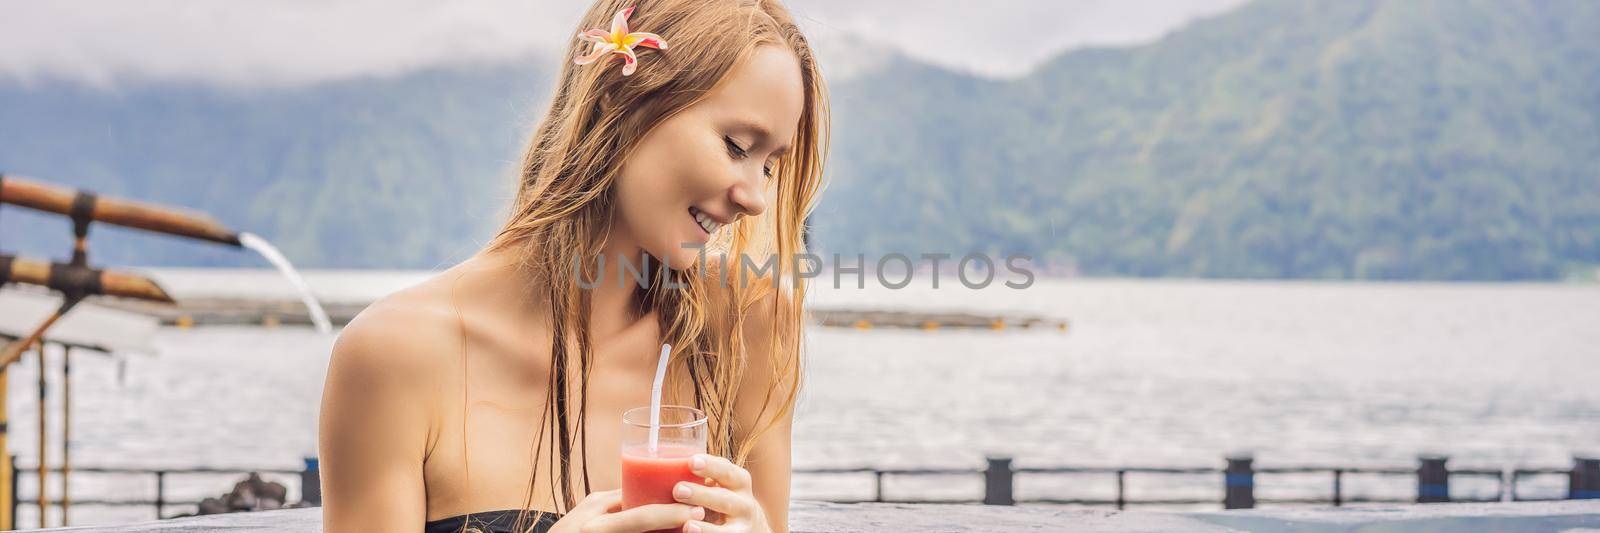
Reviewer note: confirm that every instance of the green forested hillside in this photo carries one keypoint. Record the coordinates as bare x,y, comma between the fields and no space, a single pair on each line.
403,172
1410,139
1371,139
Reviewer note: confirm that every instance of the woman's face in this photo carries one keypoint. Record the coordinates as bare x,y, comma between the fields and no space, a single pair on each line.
709,164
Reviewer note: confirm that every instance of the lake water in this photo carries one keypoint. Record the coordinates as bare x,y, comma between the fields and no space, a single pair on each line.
1154,373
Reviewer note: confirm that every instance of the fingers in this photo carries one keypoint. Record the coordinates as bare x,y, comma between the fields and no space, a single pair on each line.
717,499
599,503
594,505
723,471
699,526
645,518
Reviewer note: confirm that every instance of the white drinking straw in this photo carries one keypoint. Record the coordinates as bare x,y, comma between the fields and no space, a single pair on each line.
655,398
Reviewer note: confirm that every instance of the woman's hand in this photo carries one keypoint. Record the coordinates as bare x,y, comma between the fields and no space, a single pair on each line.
601,512
729,498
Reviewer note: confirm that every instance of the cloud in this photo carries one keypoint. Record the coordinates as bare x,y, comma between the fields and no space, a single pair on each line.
1001,37
290,42
268,43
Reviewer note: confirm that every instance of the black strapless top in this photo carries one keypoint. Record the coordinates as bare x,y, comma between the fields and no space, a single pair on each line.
492,522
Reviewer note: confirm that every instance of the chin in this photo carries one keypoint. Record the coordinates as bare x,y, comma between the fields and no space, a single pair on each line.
676,258
682,259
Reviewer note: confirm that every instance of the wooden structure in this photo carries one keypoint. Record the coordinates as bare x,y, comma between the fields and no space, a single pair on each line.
259,312
76,281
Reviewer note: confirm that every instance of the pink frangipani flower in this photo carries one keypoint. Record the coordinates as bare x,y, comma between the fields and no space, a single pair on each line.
618,41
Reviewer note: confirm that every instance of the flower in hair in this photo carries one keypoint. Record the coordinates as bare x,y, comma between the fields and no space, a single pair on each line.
618,41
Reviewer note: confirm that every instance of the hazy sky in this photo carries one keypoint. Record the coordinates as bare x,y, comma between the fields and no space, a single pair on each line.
298,41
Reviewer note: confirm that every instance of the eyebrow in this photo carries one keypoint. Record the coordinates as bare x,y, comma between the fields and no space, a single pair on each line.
760,132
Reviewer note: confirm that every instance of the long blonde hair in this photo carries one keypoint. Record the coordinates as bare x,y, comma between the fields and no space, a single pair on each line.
564,205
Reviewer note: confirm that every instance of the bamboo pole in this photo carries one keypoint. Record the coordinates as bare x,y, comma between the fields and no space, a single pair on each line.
66,433
14,351
44,469
150,217
7,520
70,278
77,281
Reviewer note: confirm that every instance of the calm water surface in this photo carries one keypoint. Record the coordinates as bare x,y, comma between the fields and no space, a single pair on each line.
1170,373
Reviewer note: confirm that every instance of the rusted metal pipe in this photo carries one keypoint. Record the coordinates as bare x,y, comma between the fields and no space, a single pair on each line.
77,203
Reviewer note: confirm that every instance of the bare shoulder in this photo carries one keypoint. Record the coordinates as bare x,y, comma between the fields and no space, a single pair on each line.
397,358
378,406
401,336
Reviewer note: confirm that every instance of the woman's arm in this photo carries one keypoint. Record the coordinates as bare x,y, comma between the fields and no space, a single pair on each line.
769,466
769,460
373,429
753,498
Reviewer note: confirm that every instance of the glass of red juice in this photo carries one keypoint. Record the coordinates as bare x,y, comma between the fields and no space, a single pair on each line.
649,477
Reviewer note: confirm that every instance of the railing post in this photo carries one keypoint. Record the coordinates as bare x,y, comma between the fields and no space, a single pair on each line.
877,485
1338,487
1122,500
1239,483
161,492
14,496
1585,479
1433,479
997,482
311,483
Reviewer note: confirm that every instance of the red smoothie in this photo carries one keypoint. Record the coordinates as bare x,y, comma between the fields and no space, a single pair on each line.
647,480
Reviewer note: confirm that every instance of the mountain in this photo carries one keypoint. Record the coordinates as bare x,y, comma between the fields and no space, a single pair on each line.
400,172
1288,139
1328,140
1373,139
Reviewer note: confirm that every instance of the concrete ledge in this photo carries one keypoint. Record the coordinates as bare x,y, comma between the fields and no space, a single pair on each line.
830,517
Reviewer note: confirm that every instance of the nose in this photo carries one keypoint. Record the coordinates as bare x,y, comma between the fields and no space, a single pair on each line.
749,197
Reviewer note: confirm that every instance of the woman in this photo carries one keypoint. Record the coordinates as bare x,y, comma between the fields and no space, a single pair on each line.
490,396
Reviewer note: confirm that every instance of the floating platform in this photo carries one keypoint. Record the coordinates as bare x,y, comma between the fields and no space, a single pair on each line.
269,313
924,320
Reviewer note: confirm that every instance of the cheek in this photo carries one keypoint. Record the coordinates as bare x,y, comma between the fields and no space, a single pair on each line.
664,176
700,164
674,172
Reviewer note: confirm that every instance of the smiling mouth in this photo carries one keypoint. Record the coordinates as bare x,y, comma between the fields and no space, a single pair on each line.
706,223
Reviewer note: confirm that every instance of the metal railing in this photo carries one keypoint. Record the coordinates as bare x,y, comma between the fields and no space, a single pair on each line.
310,483
1238,486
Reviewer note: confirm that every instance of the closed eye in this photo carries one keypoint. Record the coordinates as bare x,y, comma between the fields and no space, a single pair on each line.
734,149
737,152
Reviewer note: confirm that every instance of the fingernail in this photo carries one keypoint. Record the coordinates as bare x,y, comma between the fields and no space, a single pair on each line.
699,513
681,491
691,528
699,462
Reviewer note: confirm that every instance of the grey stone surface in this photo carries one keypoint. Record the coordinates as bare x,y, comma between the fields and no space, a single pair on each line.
829,517
1565,515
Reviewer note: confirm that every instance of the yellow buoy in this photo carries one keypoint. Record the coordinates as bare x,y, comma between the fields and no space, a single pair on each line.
997,324
185,322
930,325
862,324
270,321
